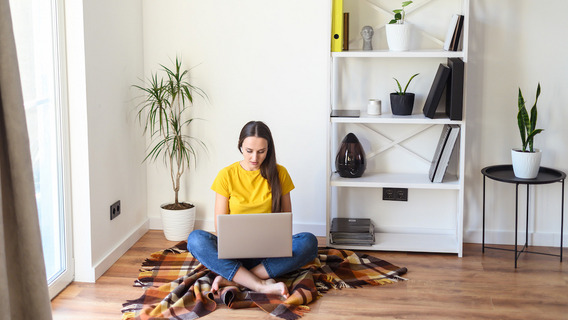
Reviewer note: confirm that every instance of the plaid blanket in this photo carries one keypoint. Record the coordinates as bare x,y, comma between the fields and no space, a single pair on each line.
179,287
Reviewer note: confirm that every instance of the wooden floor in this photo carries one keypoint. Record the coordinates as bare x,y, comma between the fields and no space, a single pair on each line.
441,286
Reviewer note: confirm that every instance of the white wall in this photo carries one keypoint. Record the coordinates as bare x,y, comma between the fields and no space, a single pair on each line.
269,61
257,60
105,56
515,44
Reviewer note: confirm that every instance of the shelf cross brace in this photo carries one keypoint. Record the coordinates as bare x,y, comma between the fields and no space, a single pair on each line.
415,7
396,143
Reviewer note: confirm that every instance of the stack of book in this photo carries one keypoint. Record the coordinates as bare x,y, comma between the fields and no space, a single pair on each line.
350,231
454,33
443,152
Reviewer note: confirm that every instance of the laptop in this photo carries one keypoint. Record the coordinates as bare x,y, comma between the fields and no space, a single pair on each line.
261,235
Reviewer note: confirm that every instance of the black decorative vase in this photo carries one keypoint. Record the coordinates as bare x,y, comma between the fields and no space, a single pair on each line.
401,105
350,161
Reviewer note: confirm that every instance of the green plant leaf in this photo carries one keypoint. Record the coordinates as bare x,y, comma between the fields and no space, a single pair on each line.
522,128
406,3
530,138
533,117
409,82
522,120
399,91
534,111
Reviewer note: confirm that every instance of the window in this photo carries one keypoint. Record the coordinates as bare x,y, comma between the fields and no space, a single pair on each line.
39,39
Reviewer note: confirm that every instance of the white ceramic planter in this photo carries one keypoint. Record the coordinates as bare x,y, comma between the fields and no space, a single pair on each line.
177,224
398,36
526,164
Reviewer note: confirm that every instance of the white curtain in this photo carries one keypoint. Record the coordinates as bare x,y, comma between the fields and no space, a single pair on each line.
23,285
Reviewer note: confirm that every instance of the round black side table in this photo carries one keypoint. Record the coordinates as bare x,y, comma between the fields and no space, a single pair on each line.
504,173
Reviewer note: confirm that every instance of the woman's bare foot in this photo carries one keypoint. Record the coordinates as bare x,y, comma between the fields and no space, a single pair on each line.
219,282
272,287
247,279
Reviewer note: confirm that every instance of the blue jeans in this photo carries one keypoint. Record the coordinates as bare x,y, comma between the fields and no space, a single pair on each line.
203,246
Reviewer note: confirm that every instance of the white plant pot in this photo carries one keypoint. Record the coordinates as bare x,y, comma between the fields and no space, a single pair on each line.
177,224
526,164
398,36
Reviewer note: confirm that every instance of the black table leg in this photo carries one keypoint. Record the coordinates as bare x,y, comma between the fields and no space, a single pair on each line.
527,224
483,228
516,219
562,221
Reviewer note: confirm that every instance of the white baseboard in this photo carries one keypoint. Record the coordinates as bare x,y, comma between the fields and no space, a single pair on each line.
104,264
155,223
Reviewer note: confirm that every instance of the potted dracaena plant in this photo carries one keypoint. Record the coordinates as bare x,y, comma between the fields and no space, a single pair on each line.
402,102
398,31
163,112
526,160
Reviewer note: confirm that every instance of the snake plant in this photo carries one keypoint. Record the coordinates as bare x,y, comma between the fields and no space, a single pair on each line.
401,92
527,125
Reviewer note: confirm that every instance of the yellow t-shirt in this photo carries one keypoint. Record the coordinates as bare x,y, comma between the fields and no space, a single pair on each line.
248,191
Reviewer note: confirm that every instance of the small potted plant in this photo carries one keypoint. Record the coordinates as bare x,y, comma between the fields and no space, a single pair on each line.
163,112
402,102
526,160
398,32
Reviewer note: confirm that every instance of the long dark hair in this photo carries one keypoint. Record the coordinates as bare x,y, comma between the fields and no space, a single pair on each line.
268,168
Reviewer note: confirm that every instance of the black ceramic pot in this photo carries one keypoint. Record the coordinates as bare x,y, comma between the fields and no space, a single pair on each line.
350,161
401,105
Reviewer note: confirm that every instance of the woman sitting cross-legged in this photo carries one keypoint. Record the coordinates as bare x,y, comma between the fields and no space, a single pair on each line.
256,184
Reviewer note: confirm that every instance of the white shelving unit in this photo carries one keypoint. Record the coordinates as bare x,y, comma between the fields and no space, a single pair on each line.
399,149
399,54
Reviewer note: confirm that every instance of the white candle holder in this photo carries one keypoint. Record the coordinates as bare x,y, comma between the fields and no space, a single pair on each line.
374,107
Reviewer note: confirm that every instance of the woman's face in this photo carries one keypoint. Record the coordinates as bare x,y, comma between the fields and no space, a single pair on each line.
254,151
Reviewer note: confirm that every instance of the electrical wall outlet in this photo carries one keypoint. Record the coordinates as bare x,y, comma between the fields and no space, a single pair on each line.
115,210
395,194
